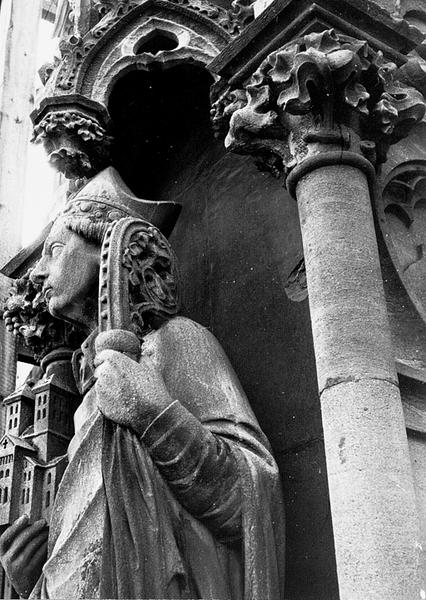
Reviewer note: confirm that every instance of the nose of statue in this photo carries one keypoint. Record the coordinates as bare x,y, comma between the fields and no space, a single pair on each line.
38,274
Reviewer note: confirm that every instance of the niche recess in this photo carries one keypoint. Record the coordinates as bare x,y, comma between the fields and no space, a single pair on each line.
154,114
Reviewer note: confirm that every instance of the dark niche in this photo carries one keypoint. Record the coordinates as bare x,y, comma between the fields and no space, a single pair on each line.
153,113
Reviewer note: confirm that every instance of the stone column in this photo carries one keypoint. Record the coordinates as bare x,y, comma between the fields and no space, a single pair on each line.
369,471
326,108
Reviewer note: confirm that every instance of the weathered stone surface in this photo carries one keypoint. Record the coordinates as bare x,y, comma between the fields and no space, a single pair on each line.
349,314
71,119
343,271
239,267
323,110
322,89
370,476
169,476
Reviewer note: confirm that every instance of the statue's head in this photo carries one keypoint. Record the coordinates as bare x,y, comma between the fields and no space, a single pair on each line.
69,267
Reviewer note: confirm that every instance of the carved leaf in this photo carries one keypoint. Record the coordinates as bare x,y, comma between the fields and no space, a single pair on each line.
26,316
327,77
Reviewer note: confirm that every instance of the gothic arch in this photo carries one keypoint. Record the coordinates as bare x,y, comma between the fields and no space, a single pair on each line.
97,60
72,118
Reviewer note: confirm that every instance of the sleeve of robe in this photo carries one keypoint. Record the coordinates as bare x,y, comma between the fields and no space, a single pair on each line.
216,462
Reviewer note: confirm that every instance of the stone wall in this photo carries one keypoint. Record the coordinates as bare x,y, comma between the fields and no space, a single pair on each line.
238,240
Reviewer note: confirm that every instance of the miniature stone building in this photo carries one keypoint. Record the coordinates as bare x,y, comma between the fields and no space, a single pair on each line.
39,426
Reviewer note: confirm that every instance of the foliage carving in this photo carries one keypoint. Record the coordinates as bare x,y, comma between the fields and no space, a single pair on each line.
26,317
314,87
76,143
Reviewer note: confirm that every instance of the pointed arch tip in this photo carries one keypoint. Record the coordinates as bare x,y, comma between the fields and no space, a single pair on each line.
201,31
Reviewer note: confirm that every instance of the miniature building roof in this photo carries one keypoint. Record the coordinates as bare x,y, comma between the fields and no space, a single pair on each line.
34,461
28,431
55,461
18,442
50,380
22,392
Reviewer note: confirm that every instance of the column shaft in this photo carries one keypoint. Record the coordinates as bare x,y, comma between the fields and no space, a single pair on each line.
371,488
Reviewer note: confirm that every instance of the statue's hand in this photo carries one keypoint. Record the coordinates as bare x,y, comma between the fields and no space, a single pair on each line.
128,392
23,552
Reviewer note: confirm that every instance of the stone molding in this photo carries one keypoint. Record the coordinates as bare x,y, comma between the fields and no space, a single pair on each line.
75,50
71,118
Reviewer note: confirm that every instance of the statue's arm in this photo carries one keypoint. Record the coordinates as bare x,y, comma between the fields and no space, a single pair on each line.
186,403
200,467
201,442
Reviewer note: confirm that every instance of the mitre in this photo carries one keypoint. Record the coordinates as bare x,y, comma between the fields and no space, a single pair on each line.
106,197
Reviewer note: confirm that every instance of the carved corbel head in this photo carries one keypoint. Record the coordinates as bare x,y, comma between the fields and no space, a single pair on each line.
76,142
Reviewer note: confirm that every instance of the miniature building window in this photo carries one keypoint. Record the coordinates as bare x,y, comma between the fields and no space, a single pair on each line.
6,494
15,422
1,474
16,408
28,496
23,497
38,415
29,476
47,498
44,413
10,424
25,476
7,473
49,478
44,399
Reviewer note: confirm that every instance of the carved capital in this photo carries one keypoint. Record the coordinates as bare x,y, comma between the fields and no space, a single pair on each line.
76,143
322,90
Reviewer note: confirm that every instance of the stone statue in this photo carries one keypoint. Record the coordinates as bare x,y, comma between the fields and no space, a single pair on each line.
171,490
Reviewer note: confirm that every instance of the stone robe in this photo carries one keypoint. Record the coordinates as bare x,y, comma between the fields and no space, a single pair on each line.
191,510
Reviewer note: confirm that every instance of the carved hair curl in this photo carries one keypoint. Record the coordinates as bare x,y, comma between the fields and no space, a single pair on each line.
92,231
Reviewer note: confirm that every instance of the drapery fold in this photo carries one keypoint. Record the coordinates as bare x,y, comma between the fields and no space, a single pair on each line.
153,548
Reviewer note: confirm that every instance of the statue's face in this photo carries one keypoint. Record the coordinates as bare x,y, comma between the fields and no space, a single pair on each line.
68,271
